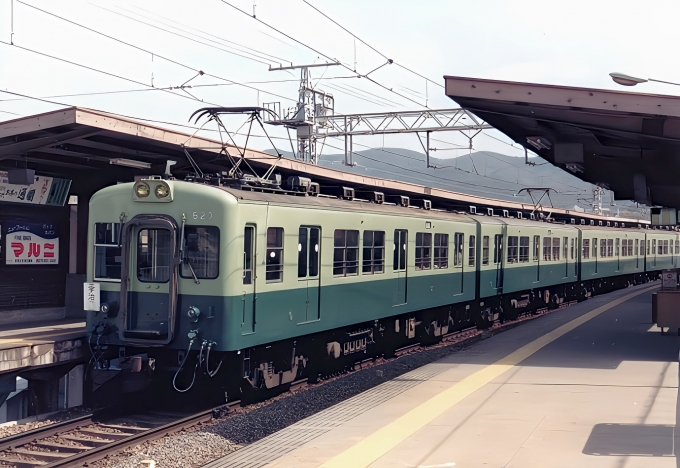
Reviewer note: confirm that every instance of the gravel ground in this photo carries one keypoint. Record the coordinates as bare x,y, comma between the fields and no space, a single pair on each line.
243,426
8,430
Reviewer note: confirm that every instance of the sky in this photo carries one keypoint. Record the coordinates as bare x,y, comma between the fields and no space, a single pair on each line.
160,44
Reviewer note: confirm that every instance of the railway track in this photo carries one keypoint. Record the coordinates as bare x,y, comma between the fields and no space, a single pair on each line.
83,440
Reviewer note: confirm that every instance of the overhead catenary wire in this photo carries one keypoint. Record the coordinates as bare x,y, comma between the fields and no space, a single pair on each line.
154,54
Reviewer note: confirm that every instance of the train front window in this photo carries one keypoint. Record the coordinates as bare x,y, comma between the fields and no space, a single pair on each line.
154,255
201,252
107,252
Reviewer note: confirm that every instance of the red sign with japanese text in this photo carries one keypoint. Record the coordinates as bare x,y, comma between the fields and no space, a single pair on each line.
31,244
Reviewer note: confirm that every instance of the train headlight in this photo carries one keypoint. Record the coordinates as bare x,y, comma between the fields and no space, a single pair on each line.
162,190
142,189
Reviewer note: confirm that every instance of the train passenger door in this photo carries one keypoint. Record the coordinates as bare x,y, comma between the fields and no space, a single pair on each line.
249,298
498,261
537,258
399,266
458,259
309,251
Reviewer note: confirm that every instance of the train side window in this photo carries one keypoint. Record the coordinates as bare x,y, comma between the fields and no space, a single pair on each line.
471,251
677,247
424,250
485,250
308,252
585,251
248,253
565,247
571,247
537,248
610,247
547,245
665,247
274,265
624,247
653,246
374,252
201,253
400,243
603,247
345,252
630,247
513,249
524,249
594,247
556,248
497,248
441,251
648,244
107,252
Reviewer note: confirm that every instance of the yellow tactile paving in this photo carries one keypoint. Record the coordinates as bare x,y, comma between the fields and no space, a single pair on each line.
371,448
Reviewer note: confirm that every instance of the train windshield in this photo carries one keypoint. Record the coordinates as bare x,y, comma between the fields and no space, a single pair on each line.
201,252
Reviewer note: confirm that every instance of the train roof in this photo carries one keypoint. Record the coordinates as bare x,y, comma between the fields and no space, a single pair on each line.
356,205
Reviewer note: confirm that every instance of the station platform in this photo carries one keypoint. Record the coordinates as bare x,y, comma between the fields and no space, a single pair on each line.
593,385
32,345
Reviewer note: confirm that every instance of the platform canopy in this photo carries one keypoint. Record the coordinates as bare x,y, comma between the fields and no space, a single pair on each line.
627,142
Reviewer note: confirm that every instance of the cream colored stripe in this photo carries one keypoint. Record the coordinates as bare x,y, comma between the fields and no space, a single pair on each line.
363,453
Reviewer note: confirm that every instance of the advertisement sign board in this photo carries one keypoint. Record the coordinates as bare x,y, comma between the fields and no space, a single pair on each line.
31,244
43,191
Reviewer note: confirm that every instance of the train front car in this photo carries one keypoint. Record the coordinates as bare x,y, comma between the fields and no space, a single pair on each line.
157,258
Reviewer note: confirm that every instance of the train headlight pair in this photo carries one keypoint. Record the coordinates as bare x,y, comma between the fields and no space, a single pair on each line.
142,190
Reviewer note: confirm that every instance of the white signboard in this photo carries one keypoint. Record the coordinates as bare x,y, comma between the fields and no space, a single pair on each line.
669,279
36,193
91,296
31,244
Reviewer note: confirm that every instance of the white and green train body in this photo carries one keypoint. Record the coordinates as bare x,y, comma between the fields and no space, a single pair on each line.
255,276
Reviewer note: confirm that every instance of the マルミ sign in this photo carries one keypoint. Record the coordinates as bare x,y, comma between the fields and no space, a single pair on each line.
31,244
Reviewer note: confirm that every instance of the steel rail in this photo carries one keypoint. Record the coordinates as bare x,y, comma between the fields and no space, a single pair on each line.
43,432
88,456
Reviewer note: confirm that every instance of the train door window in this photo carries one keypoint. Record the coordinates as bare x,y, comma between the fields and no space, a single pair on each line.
308,252
274,267
471,251
497,248
585,251
201,252
248,254
154,256
513,249
441,250
400,242
374,252
594,247
665,247
556,248
677,247
617,248
637,247
547,245
571,248
648,244
458,249
565,247
107,252
653,246
537,248
485,250
345,252
630,247
624,247
524,249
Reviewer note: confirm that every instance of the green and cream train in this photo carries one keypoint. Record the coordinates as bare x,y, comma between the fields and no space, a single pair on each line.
241,290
